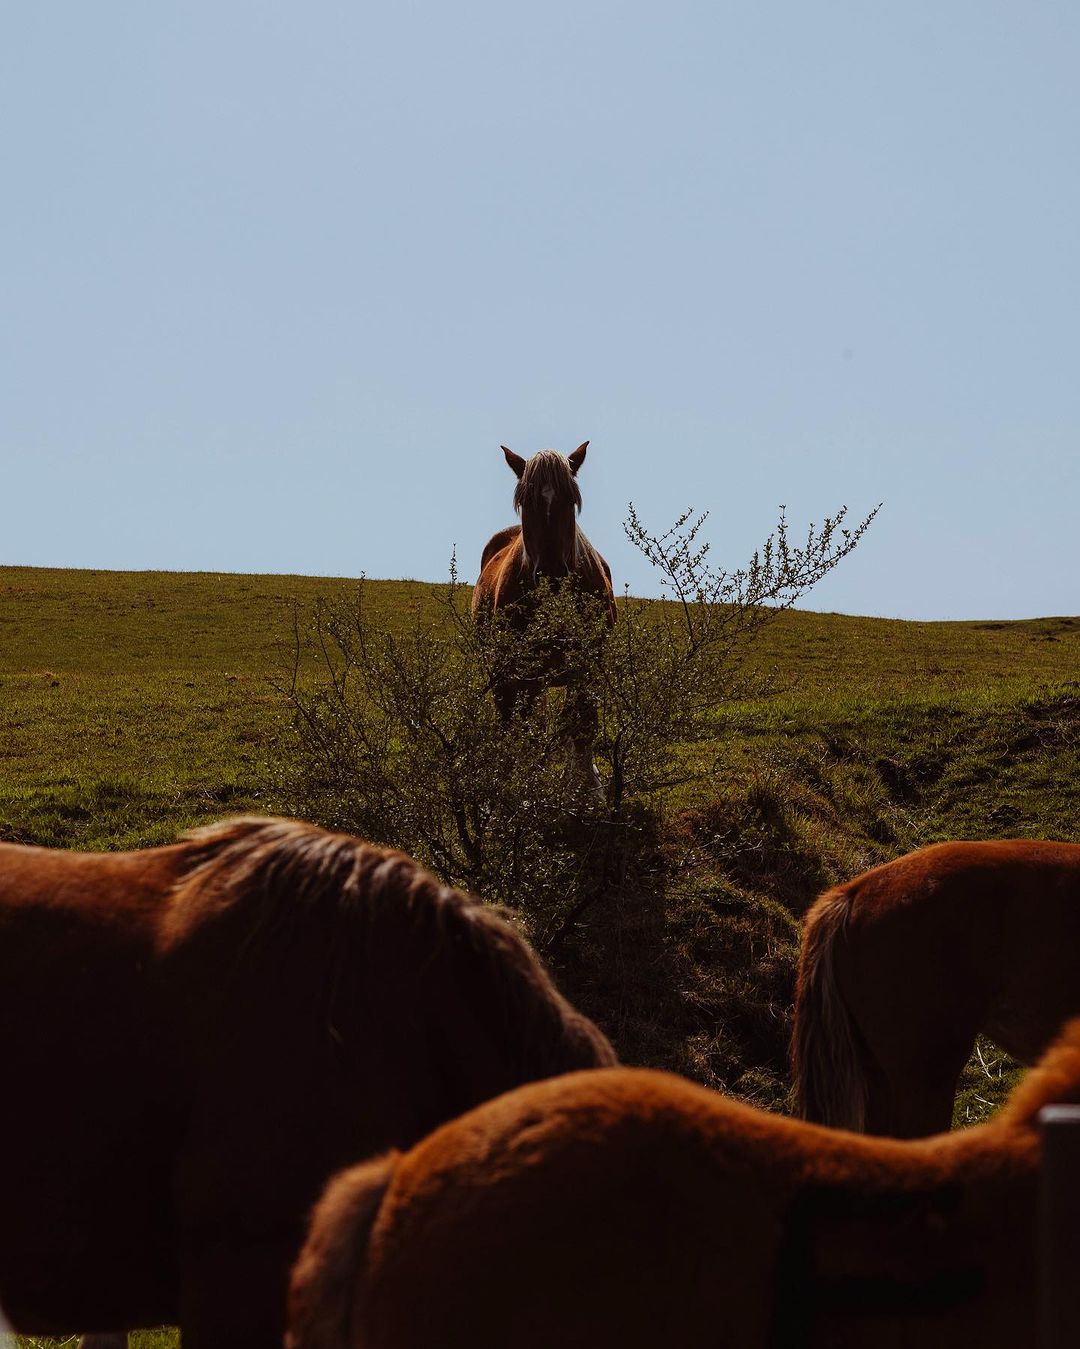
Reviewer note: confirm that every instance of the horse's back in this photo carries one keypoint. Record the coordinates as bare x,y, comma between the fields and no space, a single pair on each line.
960,898
82,926
59,876
544,1190
965,866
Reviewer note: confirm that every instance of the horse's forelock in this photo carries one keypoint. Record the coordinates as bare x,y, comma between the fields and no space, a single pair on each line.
547,470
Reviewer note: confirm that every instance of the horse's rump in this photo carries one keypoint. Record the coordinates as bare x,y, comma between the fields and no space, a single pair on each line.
622,1209
327,1280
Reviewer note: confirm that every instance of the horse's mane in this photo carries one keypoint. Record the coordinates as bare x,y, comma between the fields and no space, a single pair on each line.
279,872
547,469
1055,1080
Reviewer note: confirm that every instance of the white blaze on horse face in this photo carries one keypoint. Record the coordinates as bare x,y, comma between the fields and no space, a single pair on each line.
548,493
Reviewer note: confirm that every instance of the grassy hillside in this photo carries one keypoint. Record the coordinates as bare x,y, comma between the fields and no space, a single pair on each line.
138,704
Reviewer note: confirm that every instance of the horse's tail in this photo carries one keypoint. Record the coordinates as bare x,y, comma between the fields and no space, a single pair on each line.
326,1290
830,1082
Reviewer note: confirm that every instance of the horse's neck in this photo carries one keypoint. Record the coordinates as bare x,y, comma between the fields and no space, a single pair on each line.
550,548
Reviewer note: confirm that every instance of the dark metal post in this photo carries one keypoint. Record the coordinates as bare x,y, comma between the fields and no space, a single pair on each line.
1059,1228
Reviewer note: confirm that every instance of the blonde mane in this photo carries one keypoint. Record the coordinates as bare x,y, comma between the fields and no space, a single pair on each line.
547,470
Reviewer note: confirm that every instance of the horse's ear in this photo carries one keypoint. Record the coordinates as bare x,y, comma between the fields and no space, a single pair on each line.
514,460
578,457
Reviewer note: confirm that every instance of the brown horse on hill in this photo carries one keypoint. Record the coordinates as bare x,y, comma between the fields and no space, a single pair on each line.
194,1038
626,1209
520,564
905,964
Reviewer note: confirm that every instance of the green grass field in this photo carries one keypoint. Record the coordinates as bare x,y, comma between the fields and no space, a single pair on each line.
138,704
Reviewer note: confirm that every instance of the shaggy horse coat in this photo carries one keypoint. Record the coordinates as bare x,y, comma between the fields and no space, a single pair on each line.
194,1038
628,1209
905,964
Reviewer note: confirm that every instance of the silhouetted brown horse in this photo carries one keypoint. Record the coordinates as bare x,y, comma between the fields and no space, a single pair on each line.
627,1209
194,1038
905,964
517,564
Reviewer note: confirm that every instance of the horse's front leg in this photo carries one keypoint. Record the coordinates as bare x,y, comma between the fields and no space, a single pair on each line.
515,698
103,1340
581,722
233,1294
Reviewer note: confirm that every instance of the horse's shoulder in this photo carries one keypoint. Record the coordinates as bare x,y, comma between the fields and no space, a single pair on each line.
498,541
498,582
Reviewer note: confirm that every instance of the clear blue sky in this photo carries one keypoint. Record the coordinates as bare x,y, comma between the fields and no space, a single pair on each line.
278,279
